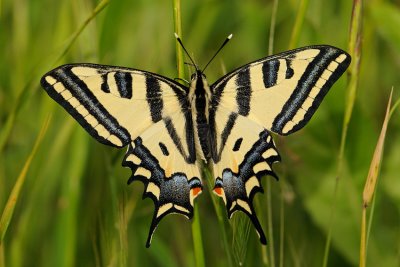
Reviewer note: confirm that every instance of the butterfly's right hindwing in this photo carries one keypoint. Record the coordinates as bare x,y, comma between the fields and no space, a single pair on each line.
171,181
149,113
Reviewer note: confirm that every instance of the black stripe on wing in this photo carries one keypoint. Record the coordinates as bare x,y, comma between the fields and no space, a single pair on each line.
243,96
79,90
153,93
270,70
307,82
169,126
217,149
124,84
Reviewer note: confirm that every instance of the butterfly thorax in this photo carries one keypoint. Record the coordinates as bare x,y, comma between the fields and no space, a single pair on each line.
199,96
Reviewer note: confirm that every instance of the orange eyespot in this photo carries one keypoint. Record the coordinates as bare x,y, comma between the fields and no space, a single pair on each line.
218,191
196,191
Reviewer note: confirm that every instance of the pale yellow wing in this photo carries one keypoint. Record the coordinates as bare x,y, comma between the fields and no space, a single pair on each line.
149,113
283,91
279,93
114,104
246,154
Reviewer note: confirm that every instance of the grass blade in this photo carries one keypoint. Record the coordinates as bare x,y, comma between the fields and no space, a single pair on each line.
270,224
221,215
178,29
2,260
298,23
23,94
370,184
272,27
197,239
78,32
241,227
196,225
271,261
355,52
282,227
14,196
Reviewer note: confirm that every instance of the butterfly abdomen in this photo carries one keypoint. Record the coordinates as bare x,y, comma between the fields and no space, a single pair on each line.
200,92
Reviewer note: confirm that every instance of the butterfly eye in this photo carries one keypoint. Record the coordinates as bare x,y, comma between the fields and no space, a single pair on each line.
193,76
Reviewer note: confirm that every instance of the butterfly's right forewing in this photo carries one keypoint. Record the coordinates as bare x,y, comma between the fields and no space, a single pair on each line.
113,104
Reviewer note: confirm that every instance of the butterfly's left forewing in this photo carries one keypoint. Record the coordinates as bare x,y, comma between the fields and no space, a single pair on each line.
144,111
283,91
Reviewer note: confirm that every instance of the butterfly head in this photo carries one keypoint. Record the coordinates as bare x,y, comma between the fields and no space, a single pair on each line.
196,75
199,85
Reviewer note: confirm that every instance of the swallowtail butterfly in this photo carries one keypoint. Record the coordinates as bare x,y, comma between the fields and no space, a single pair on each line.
169,128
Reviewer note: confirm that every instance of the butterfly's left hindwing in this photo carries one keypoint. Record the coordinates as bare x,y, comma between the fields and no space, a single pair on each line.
149,113
247,154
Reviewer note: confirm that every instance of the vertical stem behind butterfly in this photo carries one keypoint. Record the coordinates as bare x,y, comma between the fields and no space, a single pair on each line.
269,193
355,52
196,228
178,29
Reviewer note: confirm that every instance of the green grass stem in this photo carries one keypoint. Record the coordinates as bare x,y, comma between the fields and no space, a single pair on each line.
355,52
178,29
272,27
271,247
221,213
12,201
100,6
26,90
196,224
371,184
301,12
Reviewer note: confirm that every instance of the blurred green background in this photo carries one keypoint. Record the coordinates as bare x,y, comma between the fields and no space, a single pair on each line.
74,207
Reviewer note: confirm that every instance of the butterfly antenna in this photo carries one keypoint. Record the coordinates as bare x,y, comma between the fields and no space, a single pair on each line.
216,53
184,49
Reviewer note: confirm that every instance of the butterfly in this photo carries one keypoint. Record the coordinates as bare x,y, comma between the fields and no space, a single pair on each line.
169,129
